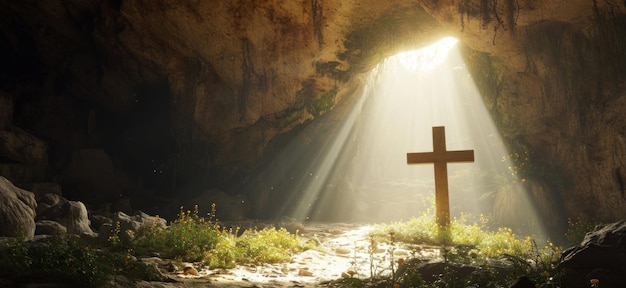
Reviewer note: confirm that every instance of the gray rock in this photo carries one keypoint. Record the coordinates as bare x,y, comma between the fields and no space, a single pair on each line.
47,201
135,222
99,220
17,211
49,227
71,214
601,255
77,218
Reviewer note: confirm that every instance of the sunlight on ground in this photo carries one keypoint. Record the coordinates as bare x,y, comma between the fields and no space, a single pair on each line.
343,248
362,175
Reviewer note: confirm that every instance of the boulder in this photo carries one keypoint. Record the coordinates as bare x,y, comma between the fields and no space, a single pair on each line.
48,227
17,211
135,222
601,255
128,225
71,214
98,220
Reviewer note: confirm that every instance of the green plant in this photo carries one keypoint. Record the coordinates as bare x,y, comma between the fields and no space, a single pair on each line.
473,242
323,103
15,258
189,237
268,245
194,238
64,259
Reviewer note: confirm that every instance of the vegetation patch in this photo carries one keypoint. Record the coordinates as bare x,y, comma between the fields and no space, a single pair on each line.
190,238
322,103
471,241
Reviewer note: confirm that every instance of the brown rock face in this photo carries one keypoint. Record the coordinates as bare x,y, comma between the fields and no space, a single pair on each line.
189,95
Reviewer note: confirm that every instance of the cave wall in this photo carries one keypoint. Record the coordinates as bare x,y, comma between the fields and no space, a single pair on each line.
185,95
552,77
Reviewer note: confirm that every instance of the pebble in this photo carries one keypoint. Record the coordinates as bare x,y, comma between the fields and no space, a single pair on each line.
190,271
304,272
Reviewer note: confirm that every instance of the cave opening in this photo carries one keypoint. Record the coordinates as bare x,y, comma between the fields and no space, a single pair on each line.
360,172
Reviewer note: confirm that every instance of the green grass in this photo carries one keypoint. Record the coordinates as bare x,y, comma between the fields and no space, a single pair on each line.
474,242
197,239
65,259
424,230
191,238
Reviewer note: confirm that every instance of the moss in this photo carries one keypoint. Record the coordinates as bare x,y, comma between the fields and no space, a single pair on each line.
288,117
316,103
322,103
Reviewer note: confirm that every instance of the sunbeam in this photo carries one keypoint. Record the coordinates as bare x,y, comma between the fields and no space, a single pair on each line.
360,173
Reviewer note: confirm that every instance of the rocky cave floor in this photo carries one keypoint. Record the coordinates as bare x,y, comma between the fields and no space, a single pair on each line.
344,249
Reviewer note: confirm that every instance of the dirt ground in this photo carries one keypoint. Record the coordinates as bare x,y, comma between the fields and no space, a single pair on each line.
345,250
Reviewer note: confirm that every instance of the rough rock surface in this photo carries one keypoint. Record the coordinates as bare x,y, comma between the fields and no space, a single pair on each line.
72,215
49,227
127,226
599,256
17,211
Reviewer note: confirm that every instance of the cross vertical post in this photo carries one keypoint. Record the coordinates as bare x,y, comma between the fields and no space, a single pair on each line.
440,158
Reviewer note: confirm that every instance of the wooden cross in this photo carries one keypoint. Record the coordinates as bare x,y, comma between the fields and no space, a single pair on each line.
440,157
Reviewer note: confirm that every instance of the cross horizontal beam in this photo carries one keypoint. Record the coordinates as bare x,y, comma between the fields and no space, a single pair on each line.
445,156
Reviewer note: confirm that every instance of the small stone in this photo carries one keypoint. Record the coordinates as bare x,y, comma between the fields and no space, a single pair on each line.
342,251
190,271
304,272
400,252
